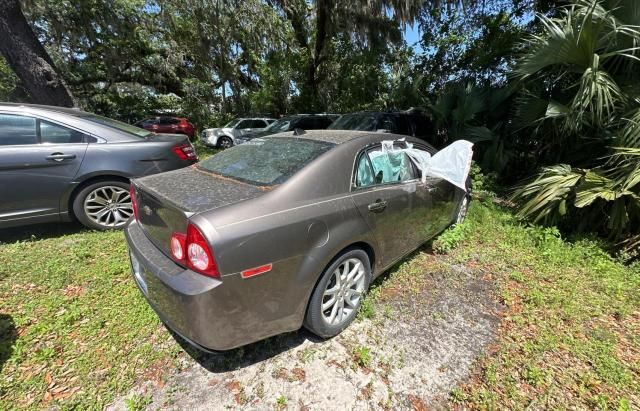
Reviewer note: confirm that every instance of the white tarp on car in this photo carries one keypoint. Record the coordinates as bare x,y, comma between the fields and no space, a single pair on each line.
452,163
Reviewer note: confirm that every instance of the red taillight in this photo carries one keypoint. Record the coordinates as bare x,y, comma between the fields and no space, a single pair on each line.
178,247
185,152
134,203
193,251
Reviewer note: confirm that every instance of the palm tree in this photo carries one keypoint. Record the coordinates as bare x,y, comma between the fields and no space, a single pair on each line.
581,105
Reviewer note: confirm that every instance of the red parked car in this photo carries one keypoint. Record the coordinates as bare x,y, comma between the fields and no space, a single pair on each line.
170,125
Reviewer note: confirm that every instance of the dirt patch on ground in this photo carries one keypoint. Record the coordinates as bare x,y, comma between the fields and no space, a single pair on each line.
421,343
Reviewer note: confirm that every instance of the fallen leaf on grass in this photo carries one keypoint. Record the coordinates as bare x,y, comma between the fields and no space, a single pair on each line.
416,403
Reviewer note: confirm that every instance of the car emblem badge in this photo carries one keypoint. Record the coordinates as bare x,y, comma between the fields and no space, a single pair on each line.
147,210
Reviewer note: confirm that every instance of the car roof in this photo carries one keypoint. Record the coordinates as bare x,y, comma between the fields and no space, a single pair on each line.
39,107
254,118
329,136
409,112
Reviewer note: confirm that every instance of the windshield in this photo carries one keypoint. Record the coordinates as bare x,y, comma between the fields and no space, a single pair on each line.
265,161
232,123
118,125
278,126
358,121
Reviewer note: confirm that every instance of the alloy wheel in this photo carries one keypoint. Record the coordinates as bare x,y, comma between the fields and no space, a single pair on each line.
225,143
108,206
343,292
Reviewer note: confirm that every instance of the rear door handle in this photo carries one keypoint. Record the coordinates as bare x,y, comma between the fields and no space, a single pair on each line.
378,206
60,156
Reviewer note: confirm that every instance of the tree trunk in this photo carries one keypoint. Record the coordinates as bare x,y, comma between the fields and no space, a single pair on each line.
28,58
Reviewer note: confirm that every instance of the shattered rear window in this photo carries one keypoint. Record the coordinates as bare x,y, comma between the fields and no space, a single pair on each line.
265,161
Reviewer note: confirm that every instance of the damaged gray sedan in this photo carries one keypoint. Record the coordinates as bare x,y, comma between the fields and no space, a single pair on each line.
287,231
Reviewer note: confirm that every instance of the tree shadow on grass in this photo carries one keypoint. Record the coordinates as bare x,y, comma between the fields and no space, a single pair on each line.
223,361
39,231
8,336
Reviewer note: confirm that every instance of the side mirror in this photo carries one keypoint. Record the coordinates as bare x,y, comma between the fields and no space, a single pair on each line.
379,177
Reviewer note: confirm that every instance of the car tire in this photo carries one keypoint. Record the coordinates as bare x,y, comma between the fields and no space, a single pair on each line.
328,320
224,143
113,196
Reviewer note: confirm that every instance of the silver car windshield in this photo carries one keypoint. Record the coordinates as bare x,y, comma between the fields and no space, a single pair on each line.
265,161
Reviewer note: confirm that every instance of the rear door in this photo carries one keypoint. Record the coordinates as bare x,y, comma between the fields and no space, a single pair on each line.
384,192
38,160
259,125
243,127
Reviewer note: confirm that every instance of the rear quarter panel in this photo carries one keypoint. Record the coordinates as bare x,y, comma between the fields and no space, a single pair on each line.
131,159
299,242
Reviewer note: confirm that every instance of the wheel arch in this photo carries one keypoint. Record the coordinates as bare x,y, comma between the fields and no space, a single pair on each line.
225,135
363,245
71,196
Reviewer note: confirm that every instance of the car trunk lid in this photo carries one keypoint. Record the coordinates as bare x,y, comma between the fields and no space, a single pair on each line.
167,200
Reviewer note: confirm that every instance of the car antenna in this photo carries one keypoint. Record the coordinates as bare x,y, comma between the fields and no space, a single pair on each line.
298,132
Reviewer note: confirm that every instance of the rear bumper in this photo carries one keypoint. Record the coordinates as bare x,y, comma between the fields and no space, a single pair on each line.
194,306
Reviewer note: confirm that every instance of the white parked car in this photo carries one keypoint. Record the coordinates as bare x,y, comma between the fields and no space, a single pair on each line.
224,137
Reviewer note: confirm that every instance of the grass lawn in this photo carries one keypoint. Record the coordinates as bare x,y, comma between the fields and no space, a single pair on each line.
75,331
570,334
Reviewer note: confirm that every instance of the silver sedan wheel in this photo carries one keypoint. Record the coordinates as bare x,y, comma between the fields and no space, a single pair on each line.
108,206
344,291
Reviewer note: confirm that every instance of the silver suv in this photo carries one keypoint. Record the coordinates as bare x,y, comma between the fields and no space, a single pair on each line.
225,136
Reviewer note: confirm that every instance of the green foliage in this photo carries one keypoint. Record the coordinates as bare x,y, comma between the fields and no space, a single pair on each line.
137,402
581,102
367,310
559,330
9,83
450,238
362,356
473,43
281,402
482,183
132,58
73,307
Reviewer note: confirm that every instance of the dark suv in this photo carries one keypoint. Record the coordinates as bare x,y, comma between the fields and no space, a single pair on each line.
409,123
290,123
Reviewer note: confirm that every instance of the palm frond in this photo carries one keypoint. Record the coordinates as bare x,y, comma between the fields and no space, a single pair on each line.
598,187
624,166
597,98
545,198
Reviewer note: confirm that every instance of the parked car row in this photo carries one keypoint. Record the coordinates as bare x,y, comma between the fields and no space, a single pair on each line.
411,123
225,136
66,164
278,231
